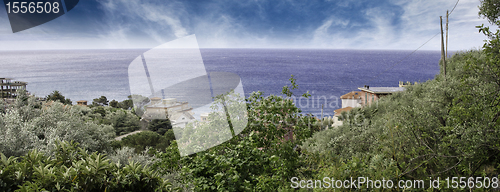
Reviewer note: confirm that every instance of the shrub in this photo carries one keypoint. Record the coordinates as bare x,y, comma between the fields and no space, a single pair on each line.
160,126
261,158
140,141
74,169
126,154
27,126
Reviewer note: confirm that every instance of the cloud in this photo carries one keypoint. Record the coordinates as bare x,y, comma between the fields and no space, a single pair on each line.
417,23
158,20
322,38
332,24
421,21
375,30
106,24
351,24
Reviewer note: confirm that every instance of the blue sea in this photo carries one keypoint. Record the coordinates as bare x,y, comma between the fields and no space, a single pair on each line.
326,74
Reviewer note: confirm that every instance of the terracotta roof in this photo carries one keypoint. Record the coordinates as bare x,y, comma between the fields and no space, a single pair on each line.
81,101
382,90
339,111
350,95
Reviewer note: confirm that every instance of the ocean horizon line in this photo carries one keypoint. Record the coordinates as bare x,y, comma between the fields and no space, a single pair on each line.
236,48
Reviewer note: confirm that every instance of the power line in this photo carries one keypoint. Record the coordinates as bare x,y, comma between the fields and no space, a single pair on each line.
454,7
400,61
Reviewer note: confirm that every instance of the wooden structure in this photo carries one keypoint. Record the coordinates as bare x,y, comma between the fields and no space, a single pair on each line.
8,88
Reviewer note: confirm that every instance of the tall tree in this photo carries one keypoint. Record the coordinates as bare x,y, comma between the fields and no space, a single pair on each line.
489,68
113,103
490,9
101,101
57,96
160,126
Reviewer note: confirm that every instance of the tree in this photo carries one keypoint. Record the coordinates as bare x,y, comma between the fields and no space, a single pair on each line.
490,9
488,67
139,102
99,110
228,162
26,127
113,103
160,126
170,136
145,139
440,128
3,106
123,121
57,96
101,101
128,103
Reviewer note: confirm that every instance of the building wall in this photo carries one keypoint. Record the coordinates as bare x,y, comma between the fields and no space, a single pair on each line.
181,121
351,103
368,98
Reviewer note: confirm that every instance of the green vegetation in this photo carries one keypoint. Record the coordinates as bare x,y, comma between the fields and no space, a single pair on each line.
56,96
101,101
34,125
28,124
263,157
142,140
125,104
74,169
160,126
446,127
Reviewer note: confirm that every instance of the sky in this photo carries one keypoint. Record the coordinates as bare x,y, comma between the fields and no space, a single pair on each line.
311,24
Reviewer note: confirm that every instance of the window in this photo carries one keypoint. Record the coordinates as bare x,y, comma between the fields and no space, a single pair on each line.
366,98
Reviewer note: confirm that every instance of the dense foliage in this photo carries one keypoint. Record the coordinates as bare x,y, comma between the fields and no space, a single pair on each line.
142,140
74,169
160,126
101,101
262,157
446,127
29,124
57,96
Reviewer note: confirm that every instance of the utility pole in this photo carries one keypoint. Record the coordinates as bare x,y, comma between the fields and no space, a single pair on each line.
322,111
443,57
447,14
